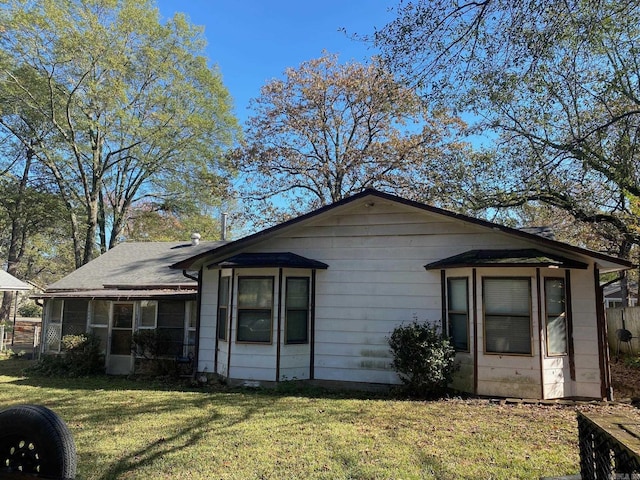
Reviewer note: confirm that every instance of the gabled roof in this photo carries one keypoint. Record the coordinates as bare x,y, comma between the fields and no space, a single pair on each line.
506,258
10,283
370,195
135,266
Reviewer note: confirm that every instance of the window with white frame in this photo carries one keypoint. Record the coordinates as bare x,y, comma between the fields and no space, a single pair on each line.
458,312
507,315
148,314
255,309
297,310
556,317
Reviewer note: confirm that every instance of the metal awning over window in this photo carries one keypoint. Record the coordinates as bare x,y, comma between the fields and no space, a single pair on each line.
268,260
506,258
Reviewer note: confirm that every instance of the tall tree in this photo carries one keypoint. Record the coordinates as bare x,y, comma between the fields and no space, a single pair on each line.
327,130
555,82
117,105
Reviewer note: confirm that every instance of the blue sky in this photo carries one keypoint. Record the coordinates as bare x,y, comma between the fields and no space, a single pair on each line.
254,41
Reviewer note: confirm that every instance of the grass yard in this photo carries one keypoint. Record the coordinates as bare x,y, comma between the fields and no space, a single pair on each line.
128,429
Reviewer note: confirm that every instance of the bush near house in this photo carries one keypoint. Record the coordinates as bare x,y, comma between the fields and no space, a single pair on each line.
81,356
423,357
30,310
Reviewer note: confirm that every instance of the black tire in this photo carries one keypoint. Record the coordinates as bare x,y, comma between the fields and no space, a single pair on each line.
34,440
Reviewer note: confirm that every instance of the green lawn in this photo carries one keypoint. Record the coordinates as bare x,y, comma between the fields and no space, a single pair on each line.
129,429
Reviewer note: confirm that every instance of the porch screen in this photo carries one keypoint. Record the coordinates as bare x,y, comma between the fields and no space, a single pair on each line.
171,323
507,315
74,317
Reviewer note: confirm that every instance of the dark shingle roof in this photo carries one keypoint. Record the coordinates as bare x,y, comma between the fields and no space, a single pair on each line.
135,265
280,259
506,258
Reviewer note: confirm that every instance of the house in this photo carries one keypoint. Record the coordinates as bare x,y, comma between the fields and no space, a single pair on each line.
315,298
127,289
613,294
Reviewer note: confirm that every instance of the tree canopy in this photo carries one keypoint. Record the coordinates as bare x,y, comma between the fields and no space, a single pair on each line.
554,82
118,106
328,130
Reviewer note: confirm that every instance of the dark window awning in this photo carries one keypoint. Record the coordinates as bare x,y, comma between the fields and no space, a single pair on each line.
268,260
506,258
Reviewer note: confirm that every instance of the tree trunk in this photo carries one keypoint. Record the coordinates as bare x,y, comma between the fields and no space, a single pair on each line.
16,244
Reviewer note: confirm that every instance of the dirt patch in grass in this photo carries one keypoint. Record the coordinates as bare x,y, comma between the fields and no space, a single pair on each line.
625,379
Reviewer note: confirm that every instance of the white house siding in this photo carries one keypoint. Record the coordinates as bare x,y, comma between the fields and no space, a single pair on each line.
585,334
376,281
208,314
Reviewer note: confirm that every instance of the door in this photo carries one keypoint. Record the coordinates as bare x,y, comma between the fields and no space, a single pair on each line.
119,357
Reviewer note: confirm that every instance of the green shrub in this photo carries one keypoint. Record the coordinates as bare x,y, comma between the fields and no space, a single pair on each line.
30,310
423,358
81,356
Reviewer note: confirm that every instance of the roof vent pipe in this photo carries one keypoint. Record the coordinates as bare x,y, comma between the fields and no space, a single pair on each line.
195,239
223,227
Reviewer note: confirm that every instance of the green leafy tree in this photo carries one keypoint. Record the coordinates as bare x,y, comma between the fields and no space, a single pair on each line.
328,130
116,105
553,82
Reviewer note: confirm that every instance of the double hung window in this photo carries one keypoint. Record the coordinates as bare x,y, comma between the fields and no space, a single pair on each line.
556,318
297,310
255,309
458,312
507,315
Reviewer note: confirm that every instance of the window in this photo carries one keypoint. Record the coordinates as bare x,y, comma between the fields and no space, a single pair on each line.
556,319
223,307
297,310
507,315
148,312
458,312
255,309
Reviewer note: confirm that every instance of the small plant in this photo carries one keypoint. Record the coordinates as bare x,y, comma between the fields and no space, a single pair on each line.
30,310
632,361
81,356
423,358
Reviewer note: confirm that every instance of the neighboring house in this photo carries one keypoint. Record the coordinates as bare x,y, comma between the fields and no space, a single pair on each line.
315,298
127,289
613,295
